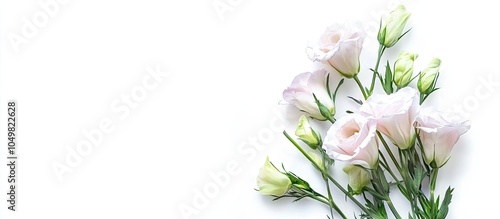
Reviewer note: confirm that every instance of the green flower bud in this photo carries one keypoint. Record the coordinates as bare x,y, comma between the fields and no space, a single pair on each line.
326,112
307,134
428,76
358,177
403,68
271,181
318,159
391,31
299,185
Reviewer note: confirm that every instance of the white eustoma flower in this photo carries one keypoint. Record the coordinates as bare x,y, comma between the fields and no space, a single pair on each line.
439,132
339,46
352,139
300,93
395,115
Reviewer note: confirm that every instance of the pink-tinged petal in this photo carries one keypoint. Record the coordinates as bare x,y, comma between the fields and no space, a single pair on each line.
439,132
352,139
300,93
339,46
395,115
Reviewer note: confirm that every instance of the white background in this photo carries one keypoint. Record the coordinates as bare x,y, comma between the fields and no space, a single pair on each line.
226,72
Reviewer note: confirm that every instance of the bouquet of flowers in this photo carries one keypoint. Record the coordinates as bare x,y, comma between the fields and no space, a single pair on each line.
390,142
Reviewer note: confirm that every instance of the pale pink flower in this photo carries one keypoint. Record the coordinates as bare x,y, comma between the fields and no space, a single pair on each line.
340,47
352,138
300,93
395,115
439,132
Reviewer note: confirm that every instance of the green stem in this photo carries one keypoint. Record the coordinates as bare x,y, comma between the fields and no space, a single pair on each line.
386,166
320,200
412,195
330,198
325,173
380,185
403,171
432,184
386,146
355,201
314,195
393,209
301,150
381,50
360,86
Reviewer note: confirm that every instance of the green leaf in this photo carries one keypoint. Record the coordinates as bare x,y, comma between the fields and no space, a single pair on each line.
418,178
435,208
328,161
355,100
388,79
383,180
443,210
374,193
402,35
410,217
403,190
325,112
328,86
426,206
368,92
336,90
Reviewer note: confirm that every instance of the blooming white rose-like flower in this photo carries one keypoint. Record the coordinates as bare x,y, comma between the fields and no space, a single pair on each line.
439,132
300,93
395,115
271,181
352,139
339,46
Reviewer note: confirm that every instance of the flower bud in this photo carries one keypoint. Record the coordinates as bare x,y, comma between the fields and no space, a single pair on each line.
307,134
403,68
318,159
358,178
428,76
298,184
271,181
391,31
